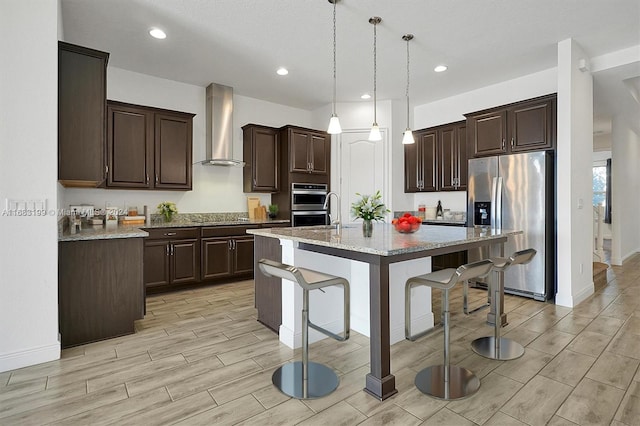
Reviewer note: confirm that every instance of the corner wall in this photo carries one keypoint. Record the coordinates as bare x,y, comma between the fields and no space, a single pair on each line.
574,190
28,171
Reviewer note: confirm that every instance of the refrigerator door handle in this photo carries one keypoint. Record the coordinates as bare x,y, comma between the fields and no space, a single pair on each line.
496,203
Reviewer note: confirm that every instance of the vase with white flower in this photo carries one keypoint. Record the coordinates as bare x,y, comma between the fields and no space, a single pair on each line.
167,209
369,208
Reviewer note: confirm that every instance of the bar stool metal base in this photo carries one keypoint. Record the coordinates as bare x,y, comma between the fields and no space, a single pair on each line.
462,382
508,349
321,380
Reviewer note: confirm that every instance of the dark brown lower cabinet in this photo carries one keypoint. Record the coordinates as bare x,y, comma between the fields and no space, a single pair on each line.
226,252
100,289
171,256
268,290
449,260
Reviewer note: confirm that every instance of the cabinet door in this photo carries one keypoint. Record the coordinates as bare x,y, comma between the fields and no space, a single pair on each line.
411,172
463,161
261,153
156,263
216,257
129,146
530,126
299,142
185,261
428,161
319,153
81,115
488,133
173,140
448,159
243,255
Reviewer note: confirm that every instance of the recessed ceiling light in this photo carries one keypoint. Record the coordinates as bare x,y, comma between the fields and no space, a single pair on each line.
365,96
440,68
157,33
282,71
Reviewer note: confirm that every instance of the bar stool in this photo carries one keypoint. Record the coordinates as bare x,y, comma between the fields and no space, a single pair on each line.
497,347
304,379
448,382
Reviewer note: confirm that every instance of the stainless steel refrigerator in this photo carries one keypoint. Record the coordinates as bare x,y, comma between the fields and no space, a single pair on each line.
517,192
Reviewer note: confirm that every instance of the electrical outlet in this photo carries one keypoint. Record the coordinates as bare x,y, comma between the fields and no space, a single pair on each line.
580,205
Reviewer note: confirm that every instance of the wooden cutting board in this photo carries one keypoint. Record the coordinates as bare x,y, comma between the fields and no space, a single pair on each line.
252,204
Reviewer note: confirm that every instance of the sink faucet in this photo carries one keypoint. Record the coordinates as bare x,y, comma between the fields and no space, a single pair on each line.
326,204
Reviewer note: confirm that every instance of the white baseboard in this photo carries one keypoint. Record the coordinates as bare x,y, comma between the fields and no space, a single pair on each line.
419,324
294,340
571,301
33,356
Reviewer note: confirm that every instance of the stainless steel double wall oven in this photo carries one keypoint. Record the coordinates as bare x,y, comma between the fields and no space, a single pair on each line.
307,204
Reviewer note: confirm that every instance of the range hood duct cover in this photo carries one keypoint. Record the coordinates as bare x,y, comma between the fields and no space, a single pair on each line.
219,112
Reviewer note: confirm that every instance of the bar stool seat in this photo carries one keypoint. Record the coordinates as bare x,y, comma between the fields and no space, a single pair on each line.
447,382
305,379
497,347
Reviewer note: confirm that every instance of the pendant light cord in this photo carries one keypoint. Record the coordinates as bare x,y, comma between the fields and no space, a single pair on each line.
407,94
375,25
334,56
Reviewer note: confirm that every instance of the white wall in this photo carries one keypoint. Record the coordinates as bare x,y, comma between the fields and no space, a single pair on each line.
215,189
28,171
574,176
625,186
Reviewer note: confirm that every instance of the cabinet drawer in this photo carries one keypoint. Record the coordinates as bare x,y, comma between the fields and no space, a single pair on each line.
226,231
172,233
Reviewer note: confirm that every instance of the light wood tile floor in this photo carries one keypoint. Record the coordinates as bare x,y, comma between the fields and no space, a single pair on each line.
200,357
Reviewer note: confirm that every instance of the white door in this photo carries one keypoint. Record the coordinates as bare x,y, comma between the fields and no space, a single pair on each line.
363,169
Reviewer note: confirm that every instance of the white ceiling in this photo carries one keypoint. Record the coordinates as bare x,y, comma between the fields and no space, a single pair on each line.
241,43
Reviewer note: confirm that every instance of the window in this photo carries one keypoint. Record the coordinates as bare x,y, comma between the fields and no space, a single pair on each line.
599,185
602,187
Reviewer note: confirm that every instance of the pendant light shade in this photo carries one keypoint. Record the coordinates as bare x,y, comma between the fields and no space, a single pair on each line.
408,139
374,135
334,122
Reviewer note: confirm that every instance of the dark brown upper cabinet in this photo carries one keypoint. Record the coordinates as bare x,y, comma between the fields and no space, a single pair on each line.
452,154
82,90
420,162
148,148
524,126
309,151
261,154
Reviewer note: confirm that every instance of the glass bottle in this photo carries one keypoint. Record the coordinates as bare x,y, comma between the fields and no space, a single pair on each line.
439,210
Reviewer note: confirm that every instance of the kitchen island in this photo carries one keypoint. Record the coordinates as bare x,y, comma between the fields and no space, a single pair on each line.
377,267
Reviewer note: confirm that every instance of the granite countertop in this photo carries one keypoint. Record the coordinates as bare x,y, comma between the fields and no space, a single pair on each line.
444,222
191,223
385,241
100,232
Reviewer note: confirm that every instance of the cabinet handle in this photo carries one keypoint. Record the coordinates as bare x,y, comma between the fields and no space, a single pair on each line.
503,143
156,178
513,142
147,181
234,244
106,170
170,234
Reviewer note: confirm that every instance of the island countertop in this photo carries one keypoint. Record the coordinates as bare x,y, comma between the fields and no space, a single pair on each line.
385,240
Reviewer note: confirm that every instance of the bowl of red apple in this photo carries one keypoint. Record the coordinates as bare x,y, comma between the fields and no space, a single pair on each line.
407,223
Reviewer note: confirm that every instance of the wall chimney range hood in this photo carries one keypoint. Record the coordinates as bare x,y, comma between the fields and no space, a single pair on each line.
219,112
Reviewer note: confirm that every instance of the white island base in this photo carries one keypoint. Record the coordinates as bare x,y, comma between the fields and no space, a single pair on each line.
325,308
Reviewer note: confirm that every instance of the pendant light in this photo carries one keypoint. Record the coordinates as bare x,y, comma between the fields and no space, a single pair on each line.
408,134
374,135
334,123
